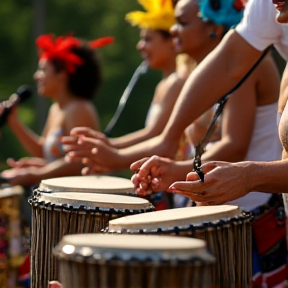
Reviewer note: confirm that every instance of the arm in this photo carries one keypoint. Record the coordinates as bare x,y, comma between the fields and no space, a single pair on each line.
228,181
166,95
237,125
31,142
218,73
29,176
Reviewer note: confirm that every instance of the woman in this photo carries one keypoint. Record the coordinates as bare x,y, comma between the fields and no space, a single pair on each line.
69,74
249,132
157,50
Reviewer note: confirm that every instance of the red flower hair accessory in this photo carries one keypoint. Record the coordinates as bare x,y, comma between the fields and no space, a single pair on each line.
60,48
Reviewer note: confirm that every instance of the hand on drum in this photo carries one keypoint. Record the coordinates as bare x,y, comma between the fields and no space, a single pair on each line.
26,162
223,182
27,176
156,174
93,153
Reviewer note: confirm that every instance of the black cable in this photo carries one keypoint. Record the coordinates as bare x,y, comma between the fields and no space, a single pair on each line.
200,148
142,69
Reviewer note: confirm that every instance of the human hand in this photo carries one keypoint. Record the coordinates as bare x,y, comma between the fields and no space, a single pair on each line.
88,132
223,182
27,176
26,162
156,174
95,154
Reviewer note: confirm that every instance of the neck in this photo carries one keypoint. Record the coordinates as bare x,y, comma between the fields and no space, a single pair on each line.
170,67
64,97
205,50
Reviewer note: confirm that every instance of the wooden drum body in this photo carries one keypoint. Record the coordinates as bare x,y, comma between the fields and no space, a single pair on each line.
11,242
133,261
57,214
225,228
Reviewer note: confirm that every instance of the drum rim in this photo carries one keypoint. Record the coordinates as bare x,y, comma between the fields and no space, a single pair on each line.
93,253
171,224
45,186
50,201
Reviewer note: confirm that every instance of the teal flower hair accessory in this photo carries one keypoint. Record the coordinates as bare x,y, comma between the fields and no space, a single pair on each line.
227,13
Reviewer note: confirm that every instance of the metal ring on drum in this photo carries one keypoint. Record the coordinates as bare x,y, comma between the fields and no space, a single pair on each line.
226,229
133,261
57,214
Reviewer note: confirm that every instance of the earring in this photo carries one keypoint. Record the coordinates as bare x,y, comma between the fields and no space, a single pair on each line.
213,35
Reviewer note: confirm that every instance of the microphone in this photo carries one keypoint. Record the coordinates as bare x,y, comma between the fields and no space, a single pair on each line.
22,94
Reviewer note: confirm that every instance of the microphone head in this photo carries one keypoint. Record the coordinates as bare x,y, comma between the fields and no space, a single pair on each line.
24,92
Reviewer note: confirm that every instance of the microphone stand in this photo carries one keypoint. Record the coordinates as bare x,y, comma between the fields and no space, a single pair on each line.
142,69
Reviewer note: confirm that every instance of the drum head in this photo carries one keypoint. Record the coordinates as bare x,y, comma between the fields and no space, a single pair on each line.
10,191
171,218
91,200
88,184
136,246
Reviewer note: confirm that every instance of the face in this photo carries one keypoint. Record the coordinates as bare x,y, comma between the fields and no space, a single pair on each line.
282,7
47,79
190,33
155,49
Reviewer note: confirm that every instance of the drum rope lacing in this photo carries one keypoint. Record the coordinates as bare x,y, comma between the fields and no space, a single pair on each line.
200,148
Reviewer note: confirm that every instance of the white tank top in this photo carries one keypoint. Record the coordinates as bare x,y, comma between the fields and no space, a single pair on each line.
264,146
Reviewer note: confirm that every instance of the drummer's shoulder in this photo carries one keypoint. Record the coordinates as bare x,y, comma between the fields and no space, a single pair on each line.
175,80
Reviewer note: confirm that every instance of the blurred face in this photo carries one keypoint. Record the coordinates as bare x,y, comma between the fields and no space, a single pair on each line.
190,34
47,79
282,7
155,49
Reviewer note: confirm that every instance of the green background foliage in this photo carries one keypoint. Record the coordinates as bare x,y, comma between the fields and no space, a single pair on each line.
88,19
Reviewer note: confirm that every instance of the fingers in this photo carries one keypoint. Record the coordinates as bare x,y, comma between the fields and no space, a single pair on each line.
82,131
147,166
88,132
190,186
11,162
136,165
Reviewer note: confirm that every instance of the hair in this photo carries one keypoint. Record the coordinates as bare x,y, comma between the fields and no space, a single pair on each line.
87,78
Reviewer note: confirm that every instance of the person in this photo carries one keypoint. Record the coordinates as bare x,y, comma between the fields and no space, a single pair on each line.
68,73
224,181
247,131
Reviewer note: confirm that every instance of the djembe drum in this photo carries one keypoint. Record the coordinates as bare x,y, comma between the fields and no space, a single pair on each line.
133,261
225,228
11,248
57,214
88,184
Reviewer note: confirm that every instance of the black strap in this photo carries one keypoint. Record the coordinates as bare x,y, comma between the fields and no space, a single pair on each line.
142,69
199,149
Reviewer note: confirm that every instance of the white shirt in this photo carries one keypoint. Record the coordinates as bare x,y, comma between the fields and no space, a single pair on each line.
260,28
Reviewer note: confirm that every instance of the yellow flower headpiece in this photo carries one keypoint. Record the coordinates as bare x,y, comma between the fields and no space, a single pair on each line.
159,15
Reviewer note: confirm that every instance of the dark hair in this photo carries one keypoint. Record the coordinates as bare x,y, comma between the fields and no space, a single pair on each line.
165,34
87,78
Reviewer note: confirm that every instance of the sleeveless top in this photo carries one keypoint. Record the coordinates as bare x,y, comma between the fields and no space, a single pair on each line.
264,146
52,148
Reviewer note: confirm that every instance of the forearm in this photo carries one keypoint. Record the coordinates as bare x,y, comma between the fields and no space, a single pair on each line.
215,76
30,141
59,168
224,150
133,138
267,176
